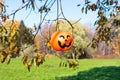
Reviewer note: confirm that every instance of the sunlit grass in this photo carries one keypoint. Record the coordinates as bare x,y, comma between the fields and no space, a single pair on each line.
50,70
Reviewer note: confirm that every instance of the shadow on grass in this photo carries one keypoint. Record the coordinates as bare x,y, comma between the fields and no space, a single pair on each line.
101,73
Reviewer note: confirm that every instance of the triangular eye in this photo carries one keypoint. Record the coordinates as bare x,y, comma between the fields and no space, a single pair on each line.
68,36
61,36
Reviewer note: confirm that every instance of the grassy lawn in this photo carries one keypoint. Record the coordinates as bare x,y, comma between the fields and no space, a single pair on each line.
89,69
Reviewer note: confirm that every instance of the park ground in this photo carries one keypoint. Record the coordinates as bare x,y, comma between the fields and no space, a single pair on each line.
89,69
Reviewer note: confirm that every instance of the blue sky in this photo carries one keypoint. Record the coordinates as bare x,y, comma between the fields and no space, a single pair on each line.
70,9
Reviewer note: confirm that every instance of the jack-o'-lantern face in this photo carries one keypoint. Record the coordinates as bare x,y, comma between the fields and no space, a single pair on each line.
61,41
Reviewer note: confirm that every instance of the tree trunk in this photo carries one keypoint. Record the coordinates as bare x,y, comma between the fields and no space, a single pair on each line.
73,54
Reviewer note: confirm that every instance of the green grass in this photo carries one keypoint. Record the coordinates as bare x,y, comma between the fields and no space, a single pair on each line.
89,69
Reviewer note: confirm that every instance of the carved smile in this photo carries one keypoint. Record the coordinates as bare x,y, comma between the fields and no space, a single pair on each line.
63,46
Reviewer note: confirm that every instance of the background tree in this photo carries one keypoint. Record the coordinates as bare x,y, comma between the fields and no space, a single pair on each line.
42,39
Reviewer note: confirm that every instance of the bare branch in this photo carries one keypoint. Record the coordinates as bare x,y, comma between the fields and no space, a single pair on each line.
43,19
23,6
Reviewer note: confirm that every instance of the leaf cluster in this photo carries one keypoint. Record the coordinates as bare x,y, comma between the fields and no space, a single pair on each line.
37,60
12,36
70,63
100,6
106,31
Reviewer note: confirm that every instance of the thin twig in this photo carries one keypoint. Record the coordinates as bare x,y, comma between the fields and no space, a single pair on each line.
42,19
76,21
18,10
65,17
57,27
